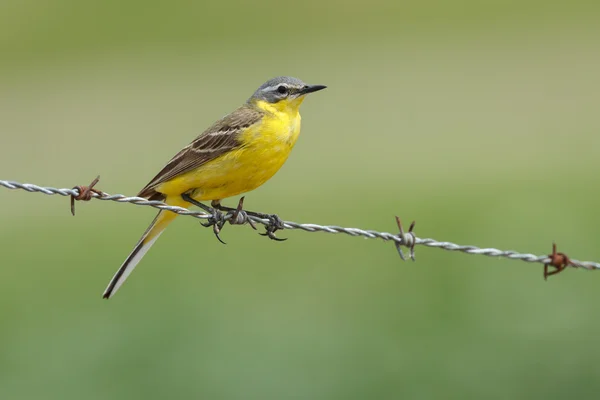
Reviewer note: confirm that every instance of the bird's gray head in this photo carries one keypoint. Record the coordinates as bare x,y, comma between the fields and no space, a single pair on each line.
282,88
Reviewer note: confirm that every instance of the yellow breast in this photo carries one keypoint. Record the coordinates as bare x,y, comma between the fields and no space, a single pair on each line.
265,148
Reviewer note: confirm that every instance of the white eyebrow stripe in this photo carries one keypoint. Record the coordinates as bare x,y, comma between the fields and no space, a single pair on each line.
269,88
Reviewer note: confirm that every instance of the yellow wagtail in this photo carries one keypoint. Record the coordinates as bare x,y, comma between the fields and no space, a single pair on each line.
236,154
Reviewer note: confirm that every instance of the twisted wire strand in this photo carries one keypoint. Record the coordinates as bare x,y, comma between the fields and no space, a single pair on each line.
404,240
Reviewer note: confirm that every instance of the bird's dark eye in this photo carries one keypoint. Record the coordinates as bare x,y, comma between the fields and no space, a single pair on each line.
282,89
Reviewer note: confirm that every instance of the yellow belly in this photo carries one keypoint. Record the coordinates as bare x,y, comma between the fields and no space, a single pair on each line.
265,149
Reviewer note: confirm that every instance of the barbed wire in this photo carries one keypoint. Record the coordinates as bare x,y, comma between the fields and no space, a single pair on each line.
403,239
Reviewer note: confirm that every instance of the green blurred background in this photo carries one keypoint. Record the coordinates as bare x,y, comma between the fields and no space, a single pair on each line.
477,119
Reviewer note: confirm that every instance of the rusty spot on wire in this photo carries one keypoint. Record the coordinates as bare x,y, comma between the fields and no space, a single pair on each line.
85,193
559,261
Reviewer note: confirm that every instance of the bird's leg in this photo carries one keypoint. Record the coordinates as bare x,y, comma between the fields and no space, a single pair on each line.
275,223
216,220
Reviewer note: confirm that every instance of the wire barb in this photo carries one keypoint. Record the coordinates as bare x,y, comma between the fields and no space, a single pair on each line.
408,239
85,193
550,260
240,217
559,261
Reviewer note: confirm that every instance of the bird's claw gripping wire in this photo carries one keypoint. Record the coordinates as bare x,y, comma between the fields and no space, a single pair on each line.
85,193
408,240
216,220
238,216
275,224
559,261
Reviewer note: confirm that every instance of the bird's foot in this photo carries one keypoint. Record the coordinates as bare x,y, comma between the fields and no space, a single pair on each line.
216,220
239,216
275,224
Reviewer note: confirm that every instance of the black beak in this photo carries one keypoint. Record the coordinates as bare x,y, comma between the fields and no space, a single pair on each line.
310,89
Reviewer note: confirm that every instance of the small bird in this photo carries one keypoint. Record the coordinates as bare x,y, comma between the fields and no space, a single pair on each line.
237,154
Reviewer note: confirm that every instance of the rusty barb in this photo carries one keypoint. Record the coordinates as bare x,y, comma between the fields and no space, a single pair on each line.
559,261
85,193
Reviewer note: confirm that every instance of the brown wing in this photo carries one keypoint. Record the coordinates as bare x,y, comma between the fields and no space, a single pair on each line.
217,140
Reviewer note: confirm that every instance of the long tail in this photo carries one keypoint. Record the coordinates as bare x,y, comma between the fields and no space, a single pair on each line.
158,225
